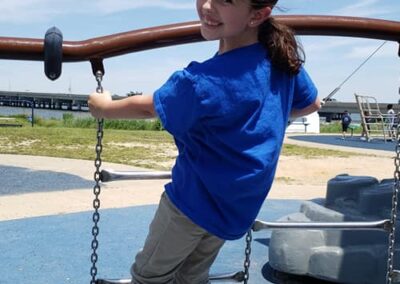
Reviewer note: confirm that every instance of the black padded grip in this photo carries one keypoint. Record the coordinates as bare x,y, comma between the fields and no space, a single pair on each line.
53,53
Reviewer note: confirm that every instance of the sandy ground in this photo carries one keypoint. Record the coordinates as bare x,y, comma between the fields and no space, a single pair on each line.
39,186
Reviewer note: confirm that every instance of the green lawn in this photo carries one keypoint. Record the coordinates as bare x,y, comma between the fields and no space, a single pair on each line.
148,149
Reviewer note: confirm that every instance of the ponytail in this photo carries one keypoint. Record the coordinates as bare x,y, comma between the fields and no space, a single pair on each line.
279,40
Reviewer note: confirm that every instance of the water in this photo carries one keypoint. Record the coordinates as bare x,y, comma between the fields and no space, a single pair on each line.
43,113
355,117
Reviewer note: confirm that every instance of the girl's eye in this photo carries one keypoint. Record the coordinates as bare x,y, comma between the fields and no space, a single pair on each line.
225,1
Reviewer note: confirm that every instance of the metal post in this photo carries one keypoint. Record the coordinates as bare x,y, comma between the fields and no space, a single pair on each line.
32,115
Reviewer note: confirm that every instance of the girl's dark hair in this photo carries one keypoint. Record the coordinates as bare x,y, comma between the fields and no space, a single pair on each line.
286,54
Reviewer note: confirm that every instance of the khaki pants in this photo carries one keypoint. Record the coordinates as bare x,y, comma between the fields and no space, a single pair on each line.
176,250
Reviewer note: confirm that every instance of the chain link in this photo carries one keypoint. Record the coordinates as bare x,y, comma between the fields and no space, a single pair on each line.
393,215
96,188
99,79
247,253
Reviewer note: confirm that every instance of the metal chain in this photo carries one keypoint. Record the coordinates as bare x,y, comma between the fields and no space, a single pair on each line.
96,188
393,215
247,253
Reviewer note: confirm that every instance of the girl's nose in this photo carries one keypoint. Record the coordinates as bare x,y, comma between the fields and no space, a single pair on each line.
207,5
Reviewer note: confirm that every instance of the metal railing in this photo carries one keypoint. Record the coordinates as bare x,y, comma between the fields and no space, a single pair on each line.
189,32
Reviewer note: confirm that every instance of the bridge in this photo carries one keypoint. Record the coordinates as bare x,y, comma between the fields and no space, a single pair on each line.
44,100
333,110
64,101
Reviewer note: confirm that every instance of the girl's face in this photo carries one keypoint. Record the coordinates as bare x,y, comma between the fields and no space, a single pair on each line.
233,22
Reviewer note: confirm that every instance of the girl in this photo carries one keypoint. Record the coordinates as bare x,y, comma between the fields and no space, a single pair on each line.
228,117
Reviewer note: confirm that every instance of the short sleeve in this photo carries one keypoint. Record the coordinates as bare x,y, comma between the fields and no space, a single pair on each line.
176,103
305,91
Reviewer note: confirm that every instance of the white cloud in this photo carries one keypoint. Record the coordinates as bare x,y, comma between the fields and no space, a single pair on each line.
31,11
18,11
366,50
322,44
349,48
107,6
364,8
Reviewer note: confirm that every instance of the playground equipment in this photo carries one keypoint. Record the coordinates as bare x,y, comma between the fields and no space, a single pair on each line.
54,51
374,123
340,256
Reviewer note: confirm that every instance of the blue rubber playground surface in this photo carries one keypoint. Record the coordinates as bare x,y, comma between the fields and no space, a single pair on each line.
56,249
351,142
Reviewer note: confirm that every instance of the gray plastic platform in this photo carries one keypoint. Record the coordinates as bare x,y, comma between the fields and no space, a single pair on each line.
334,255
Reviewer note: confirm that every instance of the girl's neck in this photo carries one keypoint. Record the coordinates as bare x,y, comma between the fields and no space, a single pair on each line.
228,44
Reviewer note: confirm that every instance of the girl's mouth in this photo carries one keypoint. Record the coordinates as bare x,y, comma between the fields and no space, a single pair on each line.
210,22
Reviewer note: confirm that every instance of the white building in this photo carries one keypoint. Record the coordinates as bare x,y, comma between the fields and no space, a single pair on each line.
305,124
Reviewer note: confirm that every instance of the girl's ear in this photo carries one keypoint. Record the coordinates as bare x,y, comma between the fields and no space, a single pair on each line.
259,16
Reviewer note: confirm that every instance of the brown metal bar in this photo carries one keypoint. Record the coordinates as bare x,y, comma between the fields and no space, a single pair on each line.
189,32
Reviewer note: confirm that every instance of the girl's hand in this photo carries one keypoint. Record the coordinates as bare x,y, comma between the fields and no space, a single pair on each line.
98,103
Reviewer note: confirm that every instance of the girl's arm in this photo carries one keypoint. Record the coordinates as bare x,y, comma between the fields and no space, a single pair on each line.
316,105
101,105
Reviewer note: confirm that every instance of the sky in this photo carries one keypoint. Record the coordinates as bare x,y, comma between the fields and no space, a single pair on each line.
329,60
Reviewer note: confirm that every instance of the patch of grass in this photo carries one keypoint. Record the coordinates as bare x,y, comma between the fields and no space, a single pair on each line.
70,121
311,152
286,180
139,124
141,147
148,149
336,127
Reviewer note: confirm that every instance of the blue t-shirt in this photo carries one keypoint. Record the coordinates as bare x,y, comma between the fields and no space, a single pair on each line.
228,116
346,119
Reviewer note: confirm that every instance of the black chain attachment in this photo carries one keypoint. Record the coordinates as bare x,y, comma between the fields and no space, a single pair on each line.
247,252
390,272
97,186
